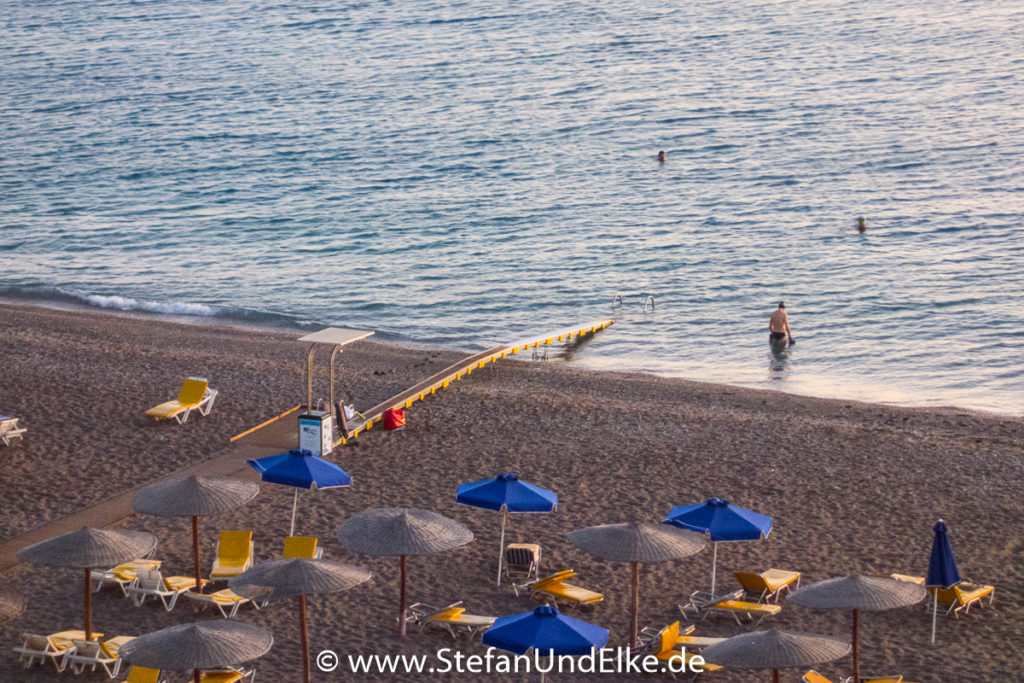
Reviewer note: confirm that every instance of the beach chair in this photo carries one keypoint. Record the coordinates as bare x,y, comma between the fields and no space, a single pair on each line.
555,589
195,394
152,583
768,585
733,605
668,640
813,676
123,575
522,561
9,429
93,653
961,596
226,600
53,647
301,546
228,675
452,618
142,674
234,554
684,636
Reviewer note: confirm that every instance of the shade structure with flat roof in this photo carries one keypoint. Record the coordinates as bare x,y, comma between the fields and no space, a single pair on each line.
722,522
194,496
297,578
636,543
301,470
506,493
336,337
200,645
855,592
774,649
402,532
88,548
942,569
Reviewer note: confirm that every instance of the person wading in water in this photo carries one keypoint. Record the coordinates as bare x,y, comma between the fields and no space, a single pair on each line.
778,325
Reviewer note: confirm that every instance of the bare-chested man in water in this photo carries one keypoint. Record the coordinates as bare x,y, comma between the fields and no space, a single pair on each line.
778,324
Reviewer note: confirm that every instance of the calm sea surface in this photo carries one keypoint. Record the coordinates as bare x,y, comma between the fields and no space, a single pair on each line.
465,173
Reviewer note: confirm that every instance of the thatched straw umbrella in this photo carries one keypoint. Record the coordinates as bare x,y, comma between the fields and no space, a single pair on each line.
88,548
200,645
194,497
11,605
856,592
775,650
403,532
637,542
297,578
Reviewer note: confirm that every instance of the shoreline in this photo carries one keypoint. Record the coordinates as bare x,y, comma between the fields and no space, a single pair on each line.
852,487
218,322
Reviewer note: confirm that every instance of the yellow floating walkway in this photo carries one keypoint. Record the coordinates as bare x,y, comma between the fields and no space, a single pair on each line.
464,368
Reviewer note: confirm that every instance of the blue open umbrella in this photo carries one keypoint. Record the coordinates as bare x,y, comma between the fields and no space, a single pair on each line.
942,571
302,470
545,630
722,521
506,493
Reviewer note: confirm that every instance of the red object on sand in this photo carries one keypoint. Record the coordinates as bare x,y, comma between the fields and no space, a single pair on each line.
394,418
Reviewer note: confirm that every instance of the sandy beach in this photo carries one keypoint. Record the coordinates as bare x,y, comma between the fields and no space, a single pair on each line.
852,487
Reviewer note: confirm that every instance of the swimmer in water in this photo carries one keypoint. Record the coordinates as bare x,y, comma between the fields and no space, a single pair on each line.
661,157
778,324
862,225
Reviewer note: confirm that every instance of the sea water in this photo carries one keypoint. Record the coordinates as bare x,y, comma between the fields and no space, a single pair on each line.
466,173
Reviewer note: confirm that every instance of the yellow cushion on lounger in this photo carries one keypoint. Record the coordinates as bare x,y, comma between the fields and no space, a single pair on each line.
744,606
813,676
111,647
190,396
142,674
225,595
220,676
299,546
448,613
176,583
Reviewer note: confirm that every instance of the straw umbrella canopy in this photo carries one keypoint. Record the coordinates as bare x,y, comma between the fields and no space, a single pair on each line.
88,548
856,592
775,650
402,532
199,645
194,497
637,542
11,605
297,578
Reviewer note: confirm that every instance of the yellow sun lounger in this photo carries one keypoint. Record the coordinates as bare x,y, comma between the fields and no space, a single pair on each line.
555,589
123,575
813,676
153,584
9,429
142,674
768,584
234,554
92,653
961,596
668,640
195,394
226,600
731,604
227,675
301,547
450,618
53,647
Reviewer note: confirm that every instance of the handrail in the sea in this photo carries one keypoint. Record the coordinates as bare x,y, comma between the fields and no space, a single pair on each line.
650,300
464,368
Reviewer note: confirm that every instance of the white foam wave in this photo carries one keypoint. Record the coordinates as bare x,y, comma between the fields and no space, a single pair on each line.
123,303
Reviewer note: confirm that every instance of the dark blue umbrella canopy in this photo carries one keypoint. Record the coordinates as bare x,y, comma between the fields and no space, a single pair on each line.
545,629
301,469
506,491
722,520
942,569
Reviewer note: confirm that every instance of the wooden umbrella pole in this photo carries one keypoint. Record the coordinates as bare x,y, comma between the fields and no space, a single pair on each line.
775,676
856,657
634,621
197,677
195,553
305,638
401,613
88,603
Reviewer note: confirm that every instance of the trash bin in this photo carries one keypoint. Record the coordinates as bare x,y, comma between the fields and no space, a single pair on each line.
316,432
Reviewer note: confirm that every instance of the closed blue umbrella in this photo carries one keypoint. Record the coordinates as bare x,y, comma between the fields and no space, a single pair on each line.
942,571
506,493
722,521
545,630
301,470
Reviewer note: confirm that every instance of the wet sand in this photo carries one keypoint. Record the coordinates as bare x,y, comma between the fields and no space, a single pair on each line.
852,487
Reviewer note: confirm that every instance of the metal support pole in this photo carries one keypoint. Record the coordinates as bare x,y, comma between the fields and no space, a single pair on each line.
334,352
501,543
309,377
